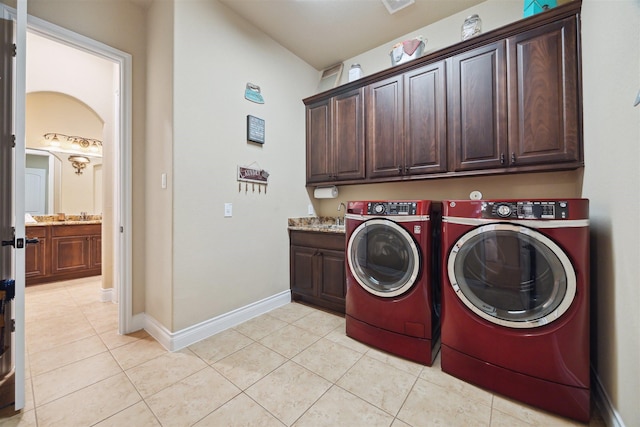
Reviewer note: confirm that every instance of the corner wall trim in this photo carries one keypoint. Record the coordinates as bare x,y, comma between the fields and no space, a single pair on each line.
609,414
106,295
174,341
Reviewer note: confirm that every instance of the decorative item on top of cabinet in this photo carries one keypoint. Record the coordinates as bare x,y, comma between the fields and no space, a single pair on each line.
335,138
406,128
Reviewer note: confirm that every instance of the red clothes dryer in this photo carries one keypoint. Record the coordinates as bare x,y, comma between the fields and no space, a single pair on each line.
516,299
393,289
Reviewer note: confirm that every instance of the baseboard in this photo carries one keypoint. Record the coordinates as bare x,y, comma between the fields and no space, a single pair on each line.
173,341
602,401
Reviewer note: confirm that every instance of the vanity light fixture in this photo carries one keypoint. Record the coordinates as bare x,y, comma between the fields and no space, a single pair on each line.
76,142
79,163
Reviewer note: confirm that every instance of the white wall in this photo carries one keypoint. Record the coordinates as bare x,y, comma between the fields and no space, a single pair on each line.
611,80
159,224
221,264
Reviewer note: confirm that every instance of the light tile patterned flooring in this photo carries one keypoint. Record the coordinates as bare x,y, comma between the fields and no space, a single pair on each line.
292,366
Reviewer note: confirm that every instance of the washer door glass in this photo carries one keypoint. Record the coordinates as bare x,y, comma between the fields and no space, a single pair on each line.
512,275
383,257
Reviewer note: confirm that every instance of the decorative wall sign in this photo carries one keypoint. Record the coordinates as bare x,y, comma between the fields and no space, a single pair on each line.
252,93
255,129
253,176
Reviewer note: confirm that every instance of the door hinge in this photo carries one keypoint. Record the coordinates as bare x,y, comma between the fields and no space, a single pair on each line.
15,50
13,325
121,229
13,141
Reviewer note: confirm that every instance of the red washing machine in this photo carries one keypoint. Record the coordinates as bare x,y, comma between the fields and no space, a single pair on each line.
516,299
393,289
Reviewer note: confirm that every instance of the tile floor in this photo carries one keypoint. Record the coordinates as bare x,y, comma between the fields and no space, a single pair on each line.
291,367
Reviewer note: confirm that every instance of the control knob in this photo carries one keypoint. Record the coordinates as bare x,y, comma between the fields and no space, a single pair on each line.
378,208
503,210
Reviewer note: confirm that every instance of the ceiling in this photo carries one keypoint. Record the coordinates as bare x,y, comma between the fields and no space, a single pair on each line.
327,32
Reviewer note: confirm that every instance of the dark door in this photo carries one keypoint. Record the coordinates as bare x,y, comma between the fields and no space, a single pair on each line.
7,391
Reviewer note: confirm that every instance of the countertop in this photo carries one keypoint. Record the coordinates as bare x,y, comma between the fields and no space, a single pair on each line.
322,224
68,220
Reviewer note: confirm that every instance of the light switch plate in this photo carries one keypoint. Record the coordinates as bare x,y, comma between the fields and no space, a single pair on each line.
228,210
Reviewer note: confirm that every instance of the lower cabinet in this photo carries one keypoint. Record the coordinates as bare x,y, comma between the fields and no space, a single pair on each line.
63,252
317,269
37,257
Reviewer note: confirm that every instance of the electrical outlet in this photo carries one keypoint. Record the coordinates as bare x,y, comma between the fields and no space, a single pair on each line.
310,210
228,210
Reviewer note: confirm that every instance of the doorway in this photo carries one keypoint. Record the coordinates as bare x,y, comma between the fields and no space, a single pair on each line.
112,68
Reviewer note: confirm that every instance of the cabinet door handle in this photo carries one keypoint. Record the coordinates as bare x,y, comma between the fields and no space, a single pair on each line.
406,169
513,157
502,158
399,170
32,241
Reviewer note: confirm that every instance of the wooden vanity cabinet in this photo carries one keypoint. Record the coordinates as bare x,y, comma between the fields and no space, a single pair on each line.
63,252
406,123
317,269
335,138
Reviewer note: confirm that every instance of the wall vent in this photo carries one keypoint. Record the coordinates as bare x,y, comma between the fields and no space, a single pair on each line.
395,5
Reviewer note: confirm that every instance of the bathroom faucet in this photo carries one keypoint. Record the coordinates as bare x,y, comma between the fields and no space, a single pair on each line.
340,221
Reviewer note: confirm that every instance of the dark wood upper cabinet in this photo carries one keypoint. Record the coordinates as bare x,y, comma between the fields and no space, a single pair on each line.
425,120
478,108
509,100
543,95
335,138
385,128
406,123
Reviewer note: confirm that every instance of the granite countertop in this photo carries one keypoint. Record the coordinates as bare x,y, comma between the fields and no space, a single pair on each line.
323,224
68,220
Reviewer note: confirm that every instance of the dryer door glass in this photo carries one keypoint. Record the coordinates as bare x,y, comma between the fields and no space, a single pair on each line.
512,275
383,257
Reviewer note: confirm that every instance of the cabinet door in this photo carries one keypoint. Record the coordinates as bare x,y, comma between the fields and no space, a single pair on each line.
478,109
385,128
70,254
543,95
302,270
36,254
332,278
319,154
96,251
348,135
425,120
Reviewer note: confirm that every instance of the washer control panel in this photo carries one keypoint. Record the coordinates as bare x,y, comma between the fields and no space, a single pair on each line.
392,208
526,210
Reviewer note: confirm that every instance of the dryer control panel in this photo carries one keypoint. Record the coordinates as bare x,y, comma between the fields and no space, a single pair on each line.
526,210
392,208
